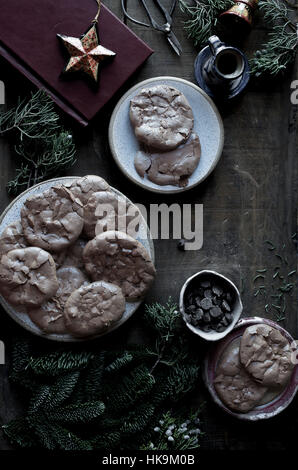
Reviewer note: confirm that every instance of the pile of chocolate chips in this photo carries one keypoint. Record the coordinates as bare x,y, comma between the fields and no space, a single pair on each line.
209,306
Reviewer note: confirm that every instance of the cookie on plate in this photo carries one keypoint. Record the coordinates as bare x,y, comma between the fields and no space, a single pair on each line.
52,220
83,188
12,238
27,276
92,309
161,117
120,259
266,355
50,317
107,211
172,167
234,386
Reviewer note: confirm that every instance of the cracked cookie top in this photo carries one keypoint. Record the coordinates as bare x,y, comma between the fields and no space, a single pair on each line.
161,116
266,355
52,220
27,276
93,308
118,258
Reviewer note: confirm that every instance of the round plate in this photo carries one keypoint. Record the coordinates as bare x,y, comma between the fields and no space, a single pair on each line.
12,213
207,124
268,410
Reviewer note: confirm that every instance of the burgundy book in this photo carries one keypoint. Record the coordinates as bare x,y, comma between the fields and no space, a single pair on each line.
28,40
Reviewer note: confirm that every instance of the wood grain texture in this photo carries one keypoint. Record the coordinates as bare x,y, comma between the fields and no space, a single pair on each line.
249,198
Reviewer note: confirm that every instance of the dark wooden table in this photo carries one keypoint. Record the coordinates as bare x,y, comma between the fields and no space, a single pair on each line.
249,198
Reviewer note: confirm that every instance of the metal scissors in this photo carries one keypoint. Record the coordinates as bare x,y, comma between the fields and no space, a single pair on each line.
165,28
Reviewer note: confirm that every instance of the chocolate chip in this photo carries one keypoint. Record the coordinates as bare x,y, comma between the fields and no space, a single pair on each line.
188,318
226,306
220,328
207,317
199,314
217,291
216,312
208,293
206,303
194,321
207,328
191,309
229,317
181,245
216,300
205,284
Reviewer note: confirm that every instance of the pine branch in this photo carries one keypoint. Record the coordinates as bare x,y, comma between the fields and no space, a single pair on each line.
104,399
44,148
77,413
56,363
274,56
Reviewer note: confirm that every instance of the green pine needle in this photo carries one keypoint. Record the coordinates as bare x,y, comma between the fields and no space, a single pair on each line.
43,147
107,399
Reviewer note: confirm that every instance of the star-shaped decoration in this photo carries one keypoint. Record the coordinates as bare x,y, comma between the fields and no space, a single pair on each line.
85,53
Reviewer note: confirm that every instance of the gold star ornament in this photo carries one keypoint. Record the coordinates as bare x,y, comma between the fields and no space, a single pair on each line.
85,53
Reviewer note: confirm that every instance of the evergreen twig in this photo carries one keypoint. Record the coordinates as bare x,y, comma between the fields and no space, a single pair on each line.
43,147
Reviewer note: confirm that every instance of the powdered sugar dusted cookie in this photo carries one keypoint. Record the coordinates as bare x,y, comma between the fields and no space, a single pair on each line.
83,188
92,309
120,259
161,116
107,211
27,276
50,317
266,355
52,220
12,238
234,386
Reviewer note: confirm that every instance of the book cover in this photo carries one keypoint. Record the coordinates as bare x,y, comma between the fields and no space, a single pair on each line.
28,40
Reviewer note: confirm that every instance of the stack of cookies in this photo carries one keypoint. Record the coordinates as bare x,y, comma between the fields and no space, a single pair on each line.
163,121
73,260
254,368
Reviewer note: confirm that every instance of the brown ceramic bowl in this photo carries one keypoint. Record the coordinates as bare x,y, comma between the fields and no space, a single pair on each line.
267,410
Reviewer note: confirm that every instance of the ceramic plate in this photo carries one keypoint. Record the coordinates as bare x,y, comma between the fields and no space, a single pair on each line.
12,213
207,124
277,403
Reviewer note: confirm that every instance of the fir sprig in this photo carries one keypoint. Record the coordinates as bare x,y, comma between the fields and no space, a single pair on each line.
43,147
82,400
273,57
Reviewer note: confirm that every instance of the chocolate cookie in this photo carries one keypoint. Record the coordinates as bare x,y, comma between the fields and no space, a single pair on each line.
83,188
266,355
173,167
52,220
161,116
50,317
92,309
234,386
12,238
118,258
107,211
27,276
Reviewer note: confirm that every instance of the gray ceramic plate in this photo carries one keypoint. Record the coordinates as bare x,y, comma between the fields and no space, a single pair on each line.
12,213
208,125
274,404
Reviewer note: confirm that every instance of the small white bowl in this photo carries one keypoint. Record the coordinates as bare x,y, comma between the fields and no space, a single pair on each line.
237,310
